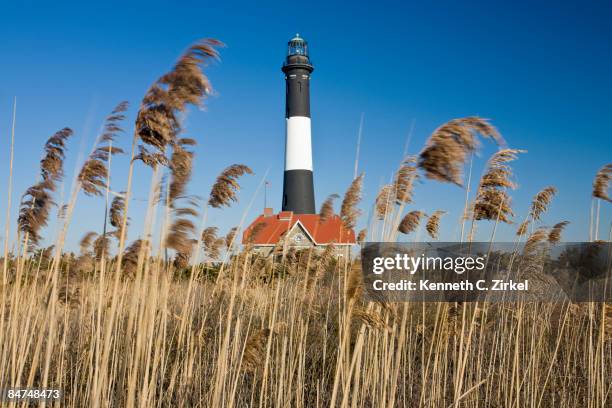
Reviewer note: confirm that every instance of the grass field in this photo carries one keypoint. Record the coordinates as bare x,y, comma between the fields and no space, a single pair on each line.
192,318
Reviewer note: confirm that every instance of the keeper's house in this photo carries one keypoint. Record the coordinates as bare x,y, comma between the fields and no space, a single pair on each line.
300,231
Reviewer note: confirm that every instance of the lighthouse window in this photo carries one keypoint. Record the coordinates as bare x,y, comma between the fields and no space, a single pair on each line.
300,85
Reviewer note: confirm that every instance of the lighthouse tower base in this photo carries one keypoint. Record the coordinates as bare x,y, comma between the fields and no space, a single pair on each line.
298,192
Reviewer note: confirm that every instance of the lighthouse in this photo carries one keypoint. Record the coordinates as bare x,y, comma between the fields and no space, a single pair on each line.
298,187
297,225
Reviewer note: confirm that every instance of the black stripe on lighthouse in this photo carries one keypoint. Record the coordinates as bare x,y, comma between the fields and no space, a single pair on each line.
298,186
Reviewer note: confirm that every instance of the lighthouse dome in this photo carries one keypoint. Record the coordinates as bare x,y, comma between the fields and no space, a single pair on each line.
297,46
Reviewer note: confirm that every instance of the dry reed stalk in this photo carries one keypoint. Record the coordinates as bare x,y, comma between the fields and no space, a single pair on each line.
433,223
359,133
156,124
188,309
410,222
7,223
349,211
446,149
327,208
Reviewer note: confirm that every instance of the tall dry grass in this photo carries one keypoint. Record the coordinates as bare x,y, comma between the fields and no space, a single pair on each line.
206,323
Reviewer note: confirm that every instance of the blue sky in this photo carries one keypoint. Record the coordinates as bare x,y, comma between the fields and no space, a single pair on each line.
540,71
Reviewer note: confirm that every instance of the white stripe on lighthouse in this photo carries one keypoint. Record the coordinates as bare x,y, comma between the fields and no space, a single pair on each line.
298,150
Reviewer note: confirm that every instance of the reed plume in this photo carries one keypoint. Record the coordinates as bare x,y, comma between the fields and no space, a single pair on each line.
255,350
182,230
226,186
405,177
229,237
554,236
52,163
209,236
601,183
447,148
327,208
492,199
180,235
37,200
94,173
129,261
433,223
522,229
324,263
383,199
534,251
410,222
361,236
159,121
181,165
101,246
86,241
370,318
34,210
117,210
541,201
213,250
354,283
349,211
535,242
181,260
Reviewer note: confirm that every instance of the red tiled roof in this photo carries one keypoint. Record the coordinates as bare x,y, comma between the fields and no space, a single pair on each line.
269,229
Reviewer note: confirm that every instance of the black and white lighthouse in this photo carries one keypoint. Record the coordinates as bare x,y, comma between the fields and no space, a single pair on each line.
297,225
298,188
